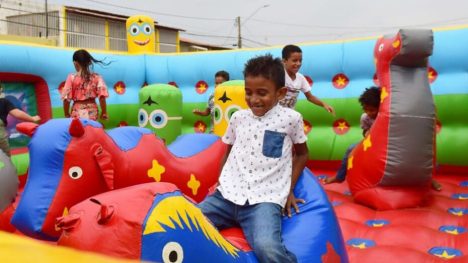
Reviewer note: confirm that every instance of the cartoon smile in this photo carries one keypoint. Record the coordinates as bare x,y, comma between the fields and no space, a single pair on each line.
141,43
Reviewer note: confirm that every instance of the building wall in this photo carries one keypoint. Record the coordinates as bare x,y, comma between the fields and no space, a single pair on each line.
167,40
34,25
77,30
19,7
85,32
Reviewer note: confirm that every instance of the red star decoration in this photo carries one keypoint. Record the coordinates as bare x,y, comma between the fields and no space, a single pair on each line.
119,87
199,127
340,81
376,80
438,126
432,74
309,79
172,83
341,126
123,123
307,127
201,87
60,87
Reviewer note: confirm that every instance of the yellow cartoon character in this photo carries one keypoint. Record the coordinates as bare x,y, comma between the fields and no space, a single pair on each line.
229,97
140,34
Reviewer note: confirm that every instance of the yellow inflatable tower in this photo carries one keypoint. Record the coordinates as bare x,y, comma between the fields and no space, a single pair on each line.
229,97
140,34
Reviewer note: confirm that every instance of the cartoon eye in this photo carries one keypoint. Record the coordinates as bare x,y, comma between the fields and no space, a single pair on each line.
172,252
134,30
142,118
158,119
147,29
75,172
218,114
381,47
230,110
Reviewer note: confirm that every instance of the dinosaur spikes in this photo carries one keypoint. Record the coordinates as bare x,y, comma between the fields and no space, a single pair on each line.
76,128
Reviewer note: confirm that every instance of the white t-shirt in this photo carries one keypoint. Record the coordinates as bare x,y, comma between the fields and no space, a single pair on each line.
294,87
259,166
366,122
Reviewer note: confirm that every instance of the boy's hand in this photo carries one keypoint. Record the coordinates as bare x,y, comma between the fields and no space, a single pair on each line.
196,111
36,118
292,202
329,108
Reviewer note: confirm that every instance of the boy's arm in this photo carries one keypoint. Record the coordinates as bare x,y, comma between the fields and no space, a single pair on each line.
205,112
300,157
21,115
318,102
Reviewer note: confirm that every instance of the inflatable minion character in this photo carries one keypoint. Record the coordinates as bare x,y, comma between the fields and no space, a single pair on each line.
229,97
140,34
161,110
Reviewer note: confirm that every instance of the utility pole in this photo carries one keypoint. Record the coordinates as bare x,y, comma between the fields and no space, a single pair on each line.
46,21
239,37
239,25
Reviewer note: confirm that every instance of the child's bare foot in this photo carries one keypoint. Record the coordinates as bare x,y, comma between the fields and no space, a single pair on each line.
331,180
435,185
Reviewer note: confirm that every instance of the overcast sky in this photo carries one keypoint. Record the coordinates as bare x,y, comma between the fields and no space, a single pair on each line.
279,22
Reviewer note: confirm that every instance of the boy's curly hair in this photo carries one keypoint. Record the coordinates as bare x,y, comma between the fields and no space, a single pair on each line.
370,97
268,67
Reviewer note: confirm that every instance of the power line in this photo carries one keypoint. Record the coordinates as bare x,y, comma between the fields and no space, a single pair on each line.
358,27
158,13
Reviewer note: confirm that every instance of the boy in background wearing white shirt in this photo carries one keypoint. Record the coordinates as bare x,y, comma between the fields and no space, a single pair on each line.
295,81
259,170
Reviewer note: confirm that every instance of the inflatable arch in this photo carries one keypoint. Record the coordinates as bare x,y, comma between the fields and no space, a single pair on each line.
338,72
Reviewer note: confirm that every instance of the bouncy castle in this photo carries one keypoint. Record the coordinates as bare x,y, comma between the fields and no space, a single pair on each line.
432,227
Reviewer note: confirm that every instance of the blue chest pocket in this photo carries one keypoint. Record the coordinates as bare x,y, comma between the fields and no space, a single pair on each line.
273,144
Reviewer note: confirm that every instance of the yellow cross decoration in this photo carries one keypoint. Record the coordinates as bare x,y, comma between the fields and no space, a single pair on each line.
119,88
202,87
383,94
350,162
367,143
340,81
193,184
361,246
342,126
445,255
452,232
156,171
201,127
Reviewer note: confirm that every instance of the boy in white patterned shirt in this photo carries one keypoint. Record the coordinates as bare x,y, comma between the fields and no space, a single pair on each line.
260,171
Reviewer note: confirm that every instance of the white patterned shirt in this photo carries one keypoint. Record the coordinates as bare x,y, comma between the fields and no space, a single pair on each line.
294,87
259,166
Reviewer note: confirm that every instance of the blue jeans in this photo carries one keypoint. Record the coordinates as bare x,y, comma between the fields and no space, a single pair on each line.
261,224
341,174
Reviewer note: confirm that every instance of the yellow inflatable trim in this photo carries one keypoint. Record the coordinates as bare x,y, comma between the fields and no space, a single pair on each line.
14,248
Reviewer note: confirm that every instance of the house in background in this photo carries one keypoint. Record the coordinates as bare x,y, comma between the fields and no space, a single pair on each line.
84,28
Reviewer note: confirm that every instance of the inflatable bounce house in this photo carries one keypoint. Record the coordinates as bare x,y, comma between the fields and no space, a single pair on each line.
84,177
